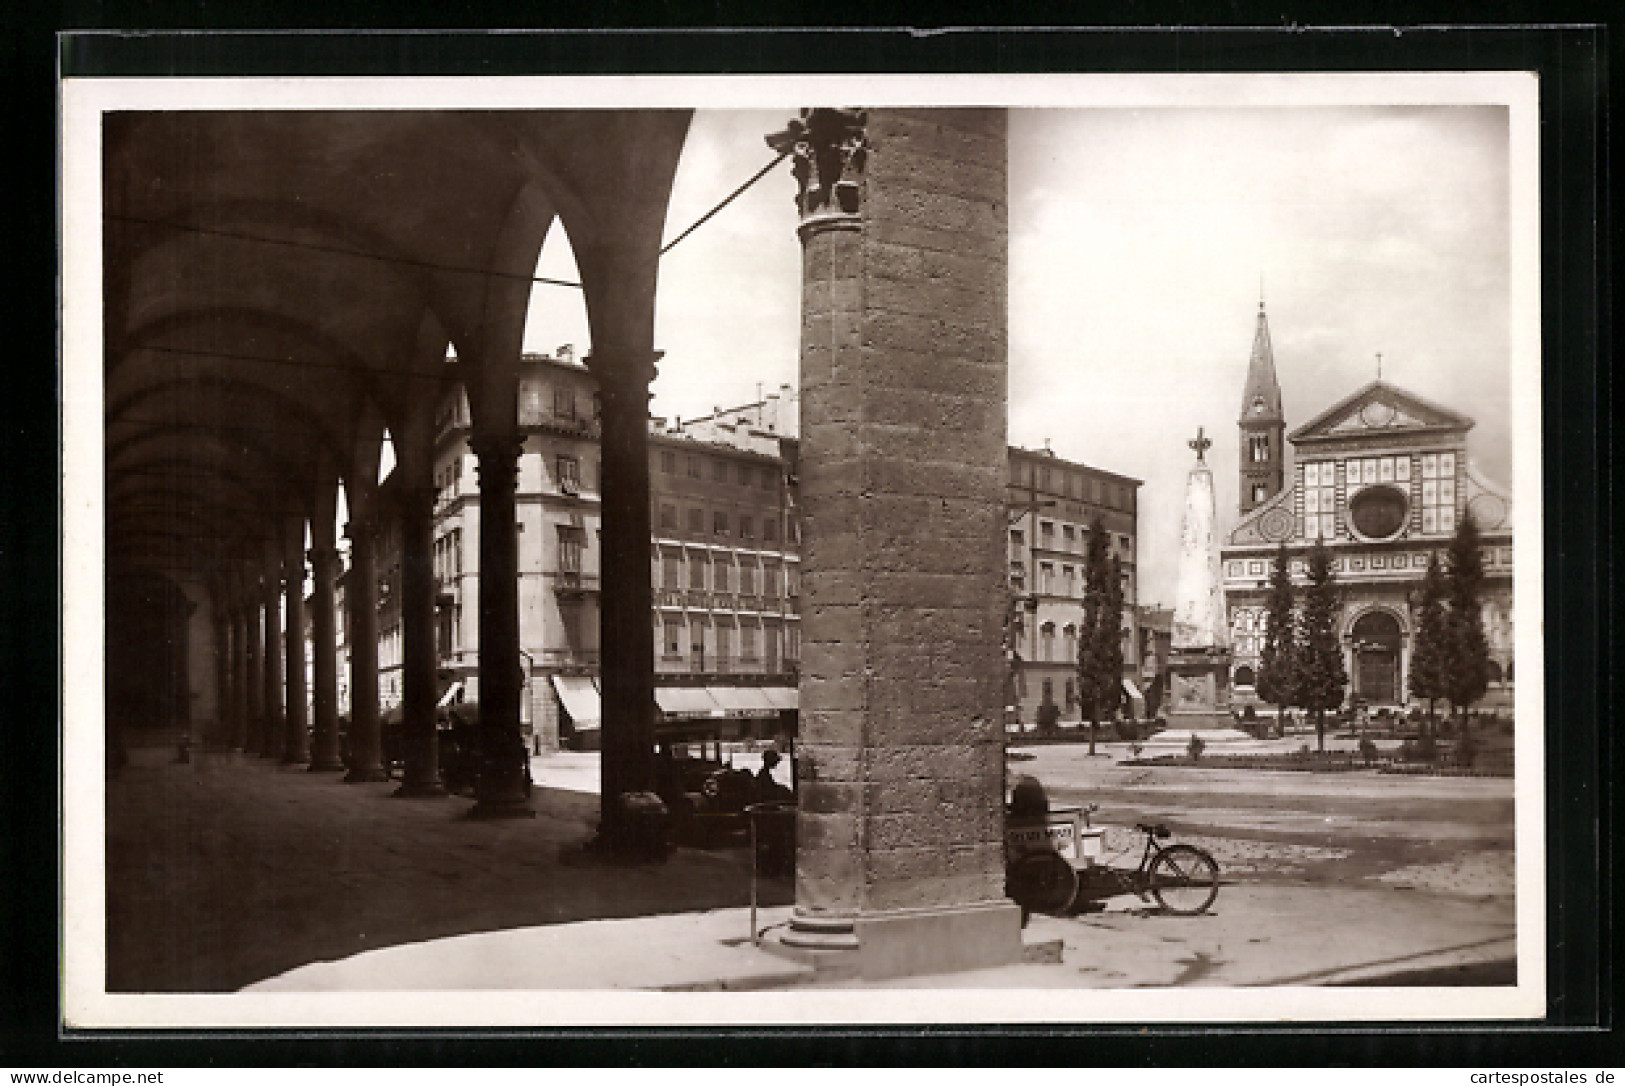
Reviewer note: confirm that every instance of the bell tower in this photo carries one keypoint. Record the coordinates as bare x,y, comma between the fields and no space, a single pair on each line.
1262,426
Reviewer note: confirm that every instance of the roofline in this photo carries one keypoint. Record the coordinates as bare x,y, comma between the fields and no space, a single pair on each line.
1462,421
1050,457
687,441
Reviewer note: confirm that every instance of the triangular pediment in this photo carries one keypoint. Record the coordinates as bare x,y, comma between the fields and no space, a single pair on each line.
1380,410
1271,522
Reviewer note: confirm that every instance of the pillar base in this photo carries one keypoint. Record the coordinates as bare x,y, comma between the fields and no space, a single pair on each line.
332,766
487,810
415,790
909,942
1202,721
365,776
819,933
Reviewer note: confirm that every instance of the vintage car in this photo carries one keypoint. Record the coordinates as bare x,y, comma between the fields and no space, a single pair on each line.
459,736
705,793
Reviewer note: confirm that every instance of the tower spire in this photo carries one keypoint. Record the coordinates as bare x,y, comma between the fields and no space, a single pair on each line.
1262,424
1261,398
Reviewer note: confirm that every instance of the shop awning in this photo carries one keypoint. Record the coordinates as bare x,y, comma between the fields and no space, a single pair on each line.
782,697
743,701
450,695
687,702
580,700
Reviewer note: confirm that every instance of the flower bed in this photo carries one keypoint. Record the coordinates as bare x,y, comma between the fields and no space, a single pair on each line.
1335,762
1314,763
1422,769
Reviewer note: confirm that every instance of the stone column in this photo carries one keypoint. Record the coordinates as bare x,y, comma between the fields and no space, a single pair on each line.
500,791
273,677
296,741
900,850
253,677
628,649
324,754
418,663
226,738
361,601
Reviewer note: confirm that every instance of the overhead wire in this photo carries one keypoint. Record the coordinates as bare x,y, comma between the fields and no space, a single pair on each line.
430,265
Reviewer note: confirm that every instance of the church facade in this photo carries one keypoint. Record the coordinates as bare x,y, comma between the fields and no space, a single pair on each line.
1382,477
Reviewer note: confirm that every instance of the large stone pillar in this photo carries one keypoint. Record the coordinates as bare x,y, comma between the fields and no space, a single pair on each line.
239,679
900,853
273,656
418,663
296,734
324,565
628,649
500,791
361,601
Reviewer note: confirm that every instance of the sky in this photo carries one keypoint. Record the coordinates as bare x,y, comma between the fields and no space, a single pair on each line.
1140,242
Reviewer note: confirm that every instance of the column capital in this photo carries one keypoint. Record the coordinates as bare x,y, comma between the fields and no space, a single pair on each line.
612,367
360,526
417,500
829,149
497,445
323,558
498,459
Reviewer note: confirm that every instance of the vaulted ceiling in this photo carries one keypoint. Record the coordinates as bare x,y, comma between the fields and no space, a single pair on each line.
281,286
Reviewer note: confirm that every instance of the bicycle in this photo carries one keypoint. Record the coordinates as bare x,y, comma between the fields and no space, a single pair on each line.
1183,879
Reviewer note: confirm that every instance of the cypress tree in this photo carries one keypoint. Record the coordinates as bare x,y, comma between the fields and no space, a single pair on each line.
1430,653
1279,658
1321,677
1100,648
1467,672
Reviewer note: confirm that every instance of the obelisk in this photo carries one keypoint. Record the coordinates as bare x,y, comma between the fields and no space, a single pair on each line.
1199,665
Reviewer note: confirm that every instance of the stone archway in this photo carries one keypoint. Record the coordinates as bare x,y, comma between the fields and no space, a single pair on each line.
1378,644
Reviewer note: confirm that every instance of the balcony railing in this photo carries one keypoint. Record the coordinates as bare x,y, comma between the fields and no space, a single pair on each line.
697,600
575,583
732,664
570,657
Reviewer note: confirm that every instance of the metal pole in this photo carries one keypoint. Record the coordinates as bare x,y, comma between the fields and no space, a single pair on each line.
755,939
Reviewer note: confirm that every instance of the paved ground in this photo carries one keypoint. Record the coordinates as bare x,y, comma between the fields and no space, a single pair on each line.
233,872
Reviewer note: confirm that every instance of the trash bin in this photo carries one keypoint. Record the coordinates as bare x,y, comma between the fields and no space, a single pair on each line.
773,836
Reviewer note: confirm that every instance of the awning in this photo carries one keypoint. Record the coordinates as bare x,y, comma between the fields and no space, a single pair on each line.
580,700
686,702
1132,690
743,701
450,695
782,697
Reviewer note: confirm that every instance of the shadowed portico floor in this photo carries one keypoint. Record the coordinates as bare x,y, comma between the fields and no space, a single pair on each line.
232,869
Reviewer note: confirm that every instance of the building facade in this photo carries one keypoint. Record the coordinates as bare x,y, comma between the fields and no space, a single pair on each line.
1052,504
727,572
1382,477
725,566
726,575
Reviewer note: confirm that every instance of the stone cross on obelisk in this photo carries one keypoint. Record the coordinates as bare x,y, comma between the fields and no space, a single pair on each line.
1199,667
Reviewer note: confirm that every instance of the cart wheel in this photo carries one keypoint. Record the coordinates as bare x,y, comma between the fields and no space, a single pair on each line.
1041,882
1184,880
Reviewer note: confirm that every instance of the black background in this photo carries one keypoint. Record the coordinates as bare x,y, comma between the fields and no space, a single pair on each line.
1577,410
